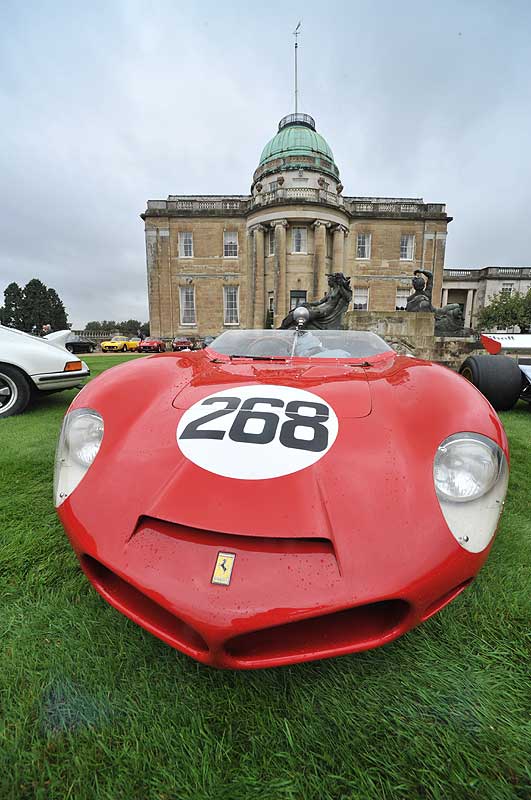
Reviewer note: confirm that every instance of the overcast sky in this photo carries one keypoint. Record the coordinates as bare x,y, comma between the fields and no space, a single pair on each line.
104,105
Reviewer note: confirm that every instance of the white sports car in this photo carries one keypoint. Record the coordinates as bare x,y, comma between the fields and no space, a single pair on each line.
29,365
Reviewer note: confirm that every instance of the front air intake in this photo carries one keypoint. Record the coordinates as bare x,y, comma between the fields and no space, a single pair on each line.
332,634
142,609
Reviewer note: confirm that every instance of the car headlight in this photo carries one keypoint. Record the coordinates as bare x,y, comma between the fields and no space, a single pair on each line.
470,474
78,446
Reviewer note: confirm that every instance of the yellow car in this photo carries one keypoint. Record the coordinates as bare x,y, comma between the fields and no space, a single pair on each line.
133,343
115,345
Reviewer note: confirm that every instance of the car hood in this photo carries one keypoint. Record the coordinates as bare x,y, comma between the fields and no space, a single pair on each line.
376,477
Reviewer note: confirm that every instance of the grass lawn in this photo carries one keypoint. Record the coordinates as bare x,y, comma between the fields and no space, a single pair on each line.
91,706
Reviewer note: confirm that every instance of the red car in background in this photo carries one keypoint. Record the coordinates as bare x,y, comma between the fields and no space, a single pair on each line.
181,343
291,495
151,345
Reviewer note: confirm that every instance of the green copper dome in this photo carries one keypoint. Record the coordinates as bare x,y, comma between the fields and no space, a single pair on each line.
296,137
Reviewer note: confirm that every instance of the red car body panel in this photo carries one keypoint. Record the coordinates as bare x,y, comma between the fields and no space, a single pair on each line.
344,555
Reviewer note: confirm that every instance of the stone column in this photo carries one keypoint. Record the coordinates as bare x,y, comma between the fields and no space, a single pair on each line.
250,293
259,309
468,308
437,266
281,305
319,259
338,253
444,297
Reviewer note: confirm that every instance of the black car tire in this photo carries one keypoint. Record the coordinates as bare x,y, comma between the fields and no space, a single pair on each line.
497,377
124,349
92,347
16,388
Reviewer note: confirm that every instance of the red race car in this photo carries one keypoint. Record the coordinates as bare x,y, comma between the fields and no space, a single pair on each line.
291,495
151,345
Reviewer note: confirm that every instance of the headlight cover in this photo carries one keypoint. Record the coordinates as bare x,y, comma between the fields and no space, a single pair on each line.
78,446
470,474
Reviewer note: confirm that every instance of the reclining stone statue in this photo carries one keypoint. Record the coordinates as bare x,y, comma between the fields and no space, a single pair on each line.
326,313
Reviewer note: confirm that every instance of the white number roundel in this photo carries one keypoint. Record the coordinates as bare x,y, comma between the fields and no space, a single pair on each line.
257,432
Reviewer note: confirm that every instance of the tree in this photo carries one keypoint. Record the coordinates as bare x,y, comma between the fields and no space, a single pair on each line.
12,311
57,317
129,327
525,318
36,305
103,325
506,310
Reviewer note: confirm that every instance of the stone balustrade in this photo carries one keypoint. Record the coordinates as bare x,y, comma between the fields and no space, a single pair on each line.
502,273
242,204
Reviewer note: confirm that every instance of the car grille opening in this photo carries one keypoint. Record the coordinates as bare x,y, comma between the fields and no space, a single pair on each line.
142,609
342,631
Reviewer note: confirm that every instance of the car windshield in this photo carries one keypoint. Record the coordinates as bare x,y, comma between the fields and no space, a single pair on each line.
302,344
118,339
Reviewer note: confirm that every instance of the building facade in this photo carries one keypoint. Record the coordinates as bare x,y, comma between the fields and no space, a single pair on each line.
474,287
215,262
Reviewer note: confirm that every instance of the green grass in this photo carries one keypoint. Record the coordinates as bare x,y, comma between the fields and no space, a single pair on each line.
91,706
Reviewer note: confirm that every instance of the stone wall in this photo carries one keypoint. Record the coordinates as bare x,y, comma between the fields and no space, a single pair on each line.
413,334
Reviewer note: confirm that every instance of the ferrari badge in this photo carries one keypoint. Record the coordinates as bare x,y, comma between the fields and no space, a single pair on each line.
223,568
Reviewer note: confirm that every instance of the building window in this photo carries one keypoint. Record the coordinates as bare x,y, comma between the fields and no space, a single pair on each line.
299,240
273,186
507,289
296,298
363,246
186,244
407,247
231,311
402,294
187,302
270,316
271,241
360,301
230,244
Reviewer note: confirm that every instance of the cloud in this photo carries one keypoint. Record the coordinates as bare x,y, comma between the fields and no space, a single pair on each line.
110,104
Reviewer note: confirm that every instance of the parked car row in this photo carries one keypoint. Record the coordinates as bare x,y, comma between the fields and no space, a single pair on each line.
134,344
